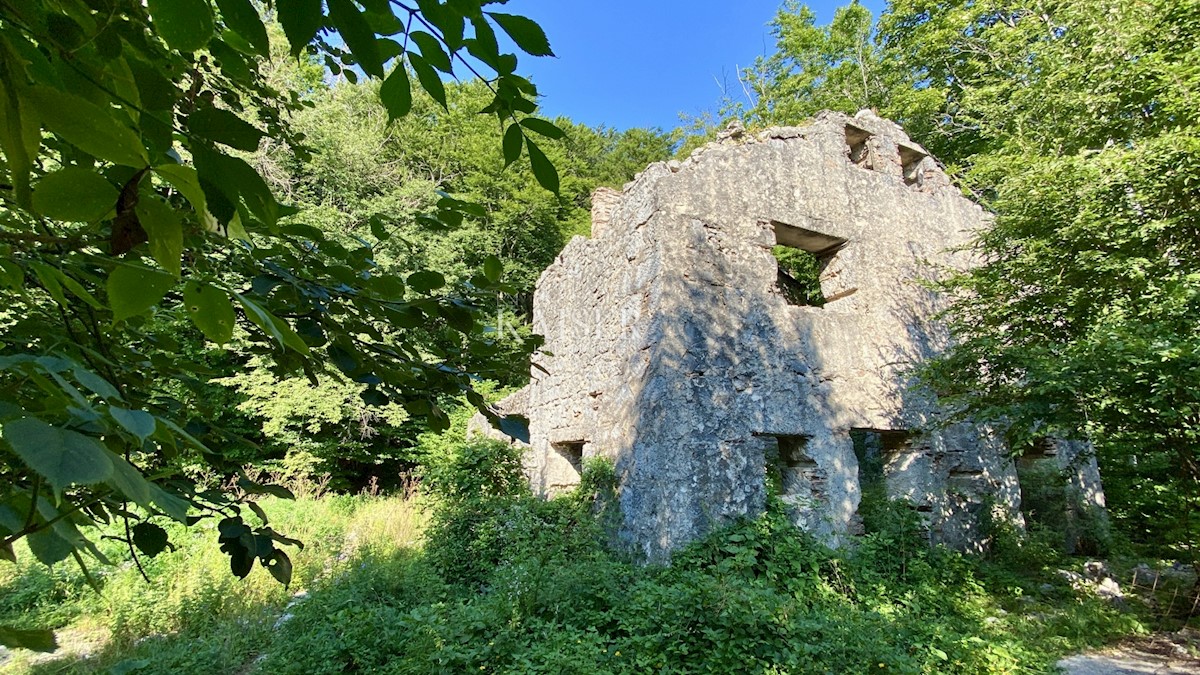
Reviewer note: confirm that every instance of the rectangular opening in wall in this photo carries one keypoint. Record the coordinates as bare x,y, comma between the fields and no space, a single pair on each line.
888,460
910,163
1044,496
789,467
1037,451
572,451
873,447
1040,448
858,148
895,441
801,256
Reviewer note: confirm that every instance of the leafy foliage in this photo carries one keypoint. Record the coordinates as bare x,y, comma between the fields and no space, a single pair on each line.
1076,124
513,584
1082,319
760,596
133,220
366,176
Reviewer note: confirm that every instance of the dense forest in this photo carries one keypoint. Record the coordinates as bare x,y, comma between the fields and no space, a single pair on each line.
261,261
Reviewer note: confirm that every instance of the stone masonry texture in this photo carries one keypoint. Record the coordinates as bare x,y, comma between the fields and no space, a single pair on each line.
671,351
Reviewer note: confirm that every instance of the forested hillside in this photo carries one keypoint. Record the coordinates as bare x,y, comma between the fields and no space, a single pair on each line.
362,176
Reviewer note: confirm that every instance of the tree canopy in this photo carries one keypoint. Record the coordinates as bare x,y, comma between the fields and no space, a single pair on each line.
140,216
1076,123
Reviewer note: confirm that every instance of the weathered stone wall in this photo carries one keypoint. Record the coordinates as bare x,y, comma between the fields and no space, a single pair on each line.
670,350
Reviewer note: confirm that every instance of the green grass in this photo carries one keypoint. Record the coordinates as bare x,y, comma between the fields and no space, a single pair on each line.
511,584
194,616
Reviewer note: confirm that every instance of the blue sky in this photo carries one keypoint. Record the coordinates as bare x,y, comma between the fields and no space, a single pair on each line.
625,63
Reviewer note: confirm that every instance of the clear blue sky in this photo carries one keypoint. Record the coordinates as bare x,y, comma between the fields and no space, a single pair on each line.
625,63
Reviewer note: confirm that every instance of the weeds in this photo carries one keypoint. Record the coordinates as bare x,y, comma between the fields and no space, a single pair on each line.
498,581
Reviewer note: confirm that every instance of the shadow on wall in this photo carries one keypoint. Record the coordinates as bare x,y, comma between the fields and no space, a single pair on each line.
680,355
724,396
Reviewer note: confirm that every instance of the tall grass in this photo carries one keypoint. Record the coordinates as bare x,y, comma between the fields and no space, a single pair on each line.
487,578
194,616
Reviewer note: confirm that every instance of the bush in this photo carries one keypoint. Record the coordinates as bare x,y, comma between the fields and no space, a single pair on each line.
509,583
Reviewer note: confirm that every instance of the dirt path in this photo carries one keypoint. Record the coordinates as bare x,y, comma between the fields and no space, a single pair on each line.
1147,656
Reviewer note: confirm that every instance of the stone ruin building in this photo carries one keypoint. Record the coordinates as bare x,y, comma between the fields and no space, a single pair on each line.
675,349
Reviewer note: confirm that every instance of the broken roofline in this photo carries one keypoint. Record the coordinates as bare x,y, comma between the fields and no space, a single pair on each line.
691,363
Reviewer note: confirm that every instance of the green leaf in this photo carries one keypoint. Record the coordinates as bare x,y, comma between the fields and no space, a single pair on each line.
222,126
396,93
74,194
184,179
387,287
379,228
129,666
149,538
186,25
493,268
88,127
155,88
133,289
100,386
358,35
137,422
258,511
165,231
446,19
241,561
48,547
374,397
11,275
51,279
61,456
483,46
211,310
34,640
432,51
425,281
430,81
301,19
528,35
77,289
130,482
242,18
543,127
170,504
233,180
254,488
273,325
280,566
514,140
543,169
54,280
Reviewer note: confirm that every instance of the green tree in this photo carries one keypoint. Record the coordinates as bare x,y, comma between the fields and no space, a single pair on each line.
814,68
133,220
1075,122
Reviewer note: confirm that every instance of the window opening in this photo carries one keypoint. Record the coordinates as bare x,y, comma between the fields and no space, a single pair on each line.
789,468
910,163
859,148
798,279
873,447
572,451
877,451
1040,448
801,256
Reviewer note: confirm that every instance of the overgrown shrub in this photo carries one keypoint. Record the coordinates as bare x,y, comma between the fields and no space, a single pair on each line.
509,583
